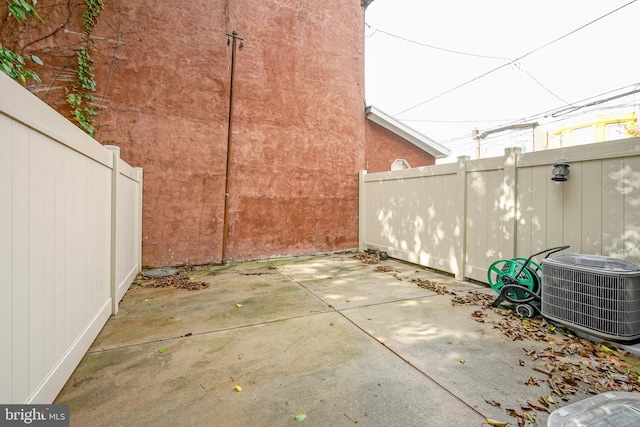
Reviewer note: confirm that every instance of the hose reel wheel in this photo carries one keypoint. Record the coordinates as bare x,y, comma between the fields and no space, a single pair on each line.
525,310
522,282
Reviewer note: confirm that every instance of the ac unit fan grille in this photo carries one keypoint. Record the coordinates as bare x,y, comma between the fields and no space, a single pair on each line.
591,299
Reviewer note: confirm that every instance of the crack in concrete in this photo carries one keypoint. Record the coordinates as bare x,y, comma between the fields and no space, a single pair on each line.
340,312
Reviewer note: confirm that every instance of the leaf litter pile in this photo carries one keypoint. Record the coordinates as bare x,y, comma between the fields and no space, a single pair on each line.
570,365
182,280
368,257
430,286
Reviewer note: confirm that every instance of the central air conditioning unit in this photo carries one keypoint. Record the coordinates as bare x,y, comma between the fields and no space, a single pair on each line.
594,294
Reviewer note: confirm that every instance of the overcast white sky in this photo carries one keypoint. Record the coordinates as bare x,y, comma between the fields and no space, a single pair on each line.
400,74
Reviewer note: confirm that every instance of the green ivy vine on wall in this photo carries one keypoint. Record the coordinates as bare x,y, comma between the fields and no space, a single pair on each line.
12,63
80,97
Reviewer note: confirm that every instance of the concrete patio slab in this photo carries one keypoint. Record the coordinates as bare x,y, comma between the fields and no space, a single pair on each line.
470,359
317,365
329,336
338,281
154,314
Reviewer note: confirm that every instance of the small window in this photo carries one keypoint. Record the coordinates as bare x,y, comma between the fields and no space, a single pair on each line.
584,135
613,131
400,164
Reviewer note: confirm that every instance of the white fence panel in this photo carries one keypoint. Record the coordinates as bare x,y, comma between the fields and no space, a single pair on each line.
56,241
460,221
490,210
126,227
418,223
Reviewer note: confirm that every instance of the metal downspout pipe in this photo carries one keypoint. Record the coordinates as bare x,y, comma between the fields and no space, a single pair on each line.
231,38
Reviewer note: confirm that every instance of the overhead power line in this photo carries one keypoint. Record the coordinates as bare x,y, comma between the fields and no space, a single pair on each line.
549,113
594,98
541,85
564,110
573,108
515,60
457,52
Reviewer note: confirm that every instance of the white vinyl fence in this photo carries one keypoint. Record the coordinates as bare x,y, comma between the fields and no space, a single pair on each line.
70,243
461,217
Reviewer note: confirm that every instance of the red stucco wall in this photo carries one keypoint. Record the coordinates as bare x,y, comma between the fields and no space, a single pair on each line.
163,72
383,147
300,127
167,110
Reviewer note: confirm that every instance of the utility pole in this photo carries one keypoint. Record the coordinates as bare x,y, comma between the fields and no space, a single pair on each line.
474,135
233,40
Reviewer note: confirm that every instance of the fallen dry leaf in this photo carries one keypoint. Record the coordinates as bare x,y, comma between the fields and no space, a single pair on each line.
493,403
537,407
430,286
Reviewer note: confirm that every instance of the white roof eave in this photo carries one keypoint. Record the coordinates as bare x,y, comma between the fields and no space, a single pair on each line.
413,136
